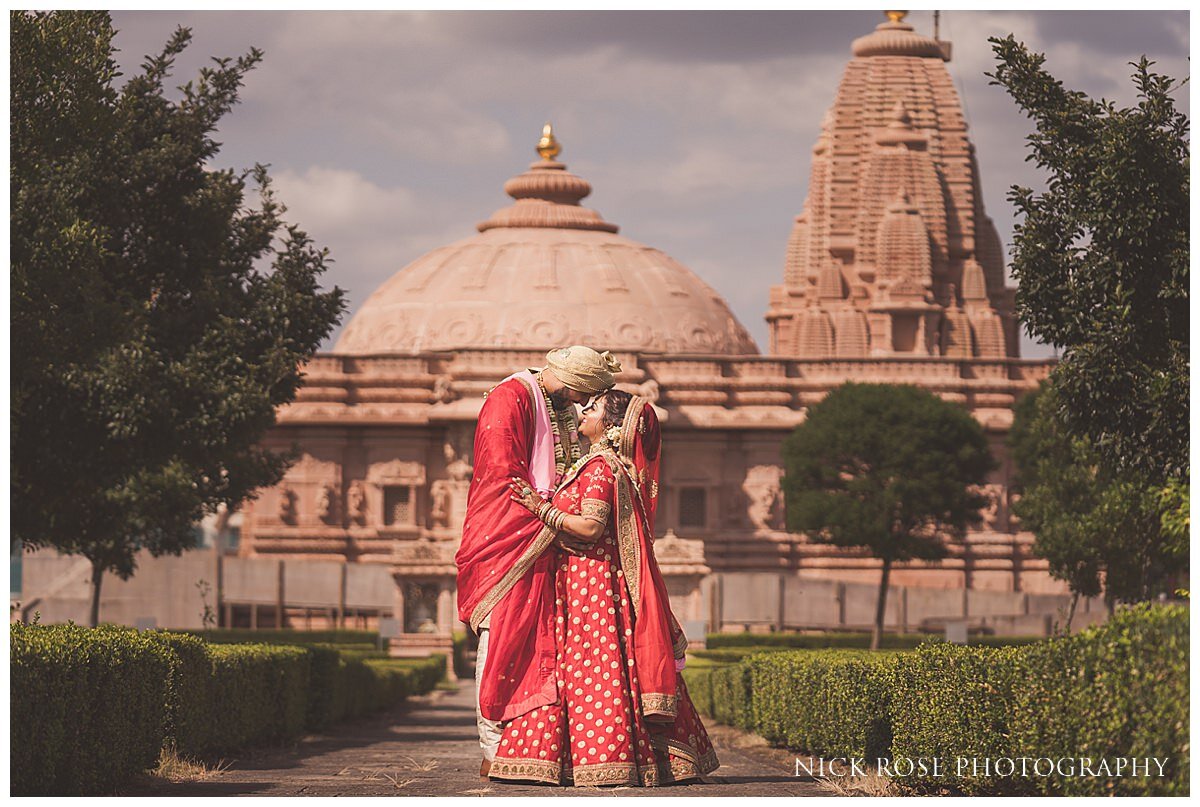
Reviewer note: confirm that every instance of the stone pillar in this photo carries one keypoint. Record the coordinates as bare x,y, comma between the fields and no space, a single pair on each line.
398,607
445,609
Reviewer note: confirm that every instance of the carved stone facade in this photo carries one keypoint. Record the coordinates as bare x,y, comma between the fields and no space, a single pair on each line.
893,273
724,421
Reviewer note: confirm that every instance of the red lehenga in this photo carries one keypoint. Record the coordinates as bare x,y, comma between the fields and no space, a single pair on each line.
623,715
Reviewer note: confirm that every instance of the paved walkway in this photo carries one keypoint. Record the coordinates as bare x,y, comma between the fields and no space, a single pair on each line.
429,747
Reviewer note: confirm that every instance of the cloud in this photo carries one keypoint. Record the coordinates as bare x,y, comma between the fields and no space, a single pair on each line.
372,231
343,200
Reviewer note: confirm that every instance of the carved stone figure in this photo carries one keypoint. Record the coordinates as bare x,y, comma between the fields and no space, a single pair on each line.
356,502
763,490
326,503
457,468
441,500
443,390
287,505
992,516
990,512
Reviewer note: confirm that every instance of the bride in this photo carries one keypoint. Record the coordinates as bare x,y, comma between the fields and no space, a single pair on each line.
622,715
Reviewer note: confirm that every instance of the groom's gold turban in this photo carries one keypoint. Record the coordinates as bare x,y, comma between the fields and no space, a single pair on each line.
583,369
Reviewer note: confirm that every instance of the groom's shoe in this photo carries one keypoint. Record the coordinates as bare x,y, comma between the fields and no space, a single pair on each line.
484,767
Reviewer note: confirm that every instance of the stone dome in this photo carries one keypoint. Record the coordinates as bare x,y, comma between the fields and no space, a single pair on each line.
545,272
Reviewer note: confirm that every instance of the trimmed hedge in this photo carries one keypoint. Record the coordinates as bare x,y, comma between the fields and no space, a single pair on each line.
730,642
191,725
259,694
462,665
88,707
1116,690
950,701
93,707
1123,694
839,710
337,636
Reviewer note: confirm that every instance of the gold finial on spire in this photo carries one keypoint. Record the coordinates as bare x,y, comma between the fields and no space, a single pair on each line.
548,146
896,16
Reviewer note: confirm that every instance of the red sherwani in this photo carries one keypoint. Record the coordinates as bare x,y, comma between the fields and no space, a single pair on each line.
503,568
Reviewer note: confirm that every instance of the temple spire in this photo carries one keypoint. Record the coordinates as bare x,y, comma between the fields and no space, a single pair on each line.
894,218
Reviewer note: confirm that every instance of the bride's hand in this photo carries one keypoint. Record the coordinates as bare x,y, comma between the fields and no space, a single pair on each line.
524,494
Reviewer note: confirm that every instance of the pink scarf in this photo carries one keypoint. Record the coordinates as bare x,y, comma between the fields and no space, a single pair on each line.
541,463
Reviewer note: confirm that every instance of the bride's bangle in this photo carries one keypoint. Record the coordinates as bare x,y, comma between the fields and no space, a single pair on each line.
553,518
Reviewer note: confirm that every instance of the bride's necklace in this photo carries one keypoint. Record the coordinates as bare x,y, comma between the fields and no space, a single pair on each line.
597,448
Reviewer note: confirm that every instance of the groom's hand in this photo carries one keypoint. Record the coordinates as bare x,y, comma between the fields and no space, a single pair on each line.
571,544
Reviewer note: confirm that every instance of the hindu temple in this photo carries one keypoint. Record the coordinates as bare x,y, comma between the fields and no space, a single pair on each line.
892,272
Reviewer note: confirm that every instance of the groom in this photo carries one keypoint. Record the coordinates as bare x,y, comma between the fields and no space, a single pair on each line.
527,429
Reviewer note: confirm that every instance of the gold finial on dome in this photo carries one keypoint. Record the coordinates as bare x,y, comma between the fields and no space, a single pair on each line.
896,16
548,146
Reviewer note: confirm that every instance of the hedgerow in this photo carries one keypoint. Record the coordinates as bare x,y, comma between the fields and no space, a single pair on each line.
92,707
1116,690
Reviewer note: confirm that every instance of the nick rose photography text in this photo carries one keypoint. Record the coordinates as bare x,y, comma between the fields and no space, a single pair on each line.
985,766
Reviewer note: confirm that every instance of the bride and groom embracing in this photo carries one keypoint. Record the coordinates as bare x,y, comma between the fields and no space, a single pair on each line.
579,654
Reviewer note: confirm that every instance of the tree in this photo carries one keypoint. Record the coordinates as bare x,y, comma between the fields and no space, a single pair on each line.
158,318
1099,530
1101,260
891,468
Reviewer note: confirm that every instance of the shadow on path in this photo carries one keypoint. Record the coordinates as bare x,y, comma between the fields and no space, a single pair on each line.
429,747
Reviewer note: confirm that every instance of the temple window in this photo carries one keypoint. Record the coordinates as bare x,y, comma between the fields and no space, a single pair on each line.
904,333
693,507
397,505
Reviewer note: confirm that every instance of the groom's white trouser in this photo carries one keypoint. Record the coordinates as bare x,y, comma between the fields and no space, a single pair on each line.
489,730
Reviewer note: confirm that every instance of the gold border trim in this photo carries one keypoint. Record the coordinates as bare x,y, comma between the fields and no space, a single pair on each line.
627,542
535,770
660,703
606,773
489,600
629,423
595,509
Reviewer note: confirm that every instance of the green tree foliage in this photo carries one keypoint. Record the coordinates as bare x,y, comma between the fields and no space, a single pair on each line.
158,316
1102,532
1101,260
887,467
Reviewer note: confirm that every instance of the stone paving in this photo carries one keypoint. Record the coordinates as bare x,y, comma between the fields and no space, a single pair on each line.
429,747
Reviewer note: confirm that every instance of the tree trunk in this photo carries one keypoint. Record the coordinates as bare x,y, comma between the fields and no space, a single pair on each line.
1071,613
97,578
880,605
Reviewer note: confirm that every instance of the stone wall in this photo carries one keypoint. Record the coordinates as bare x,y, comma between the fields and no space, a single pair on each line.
753,601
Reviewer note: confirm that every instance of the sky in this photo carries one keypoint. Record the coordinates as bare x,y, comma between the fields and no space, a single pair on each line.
392,133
